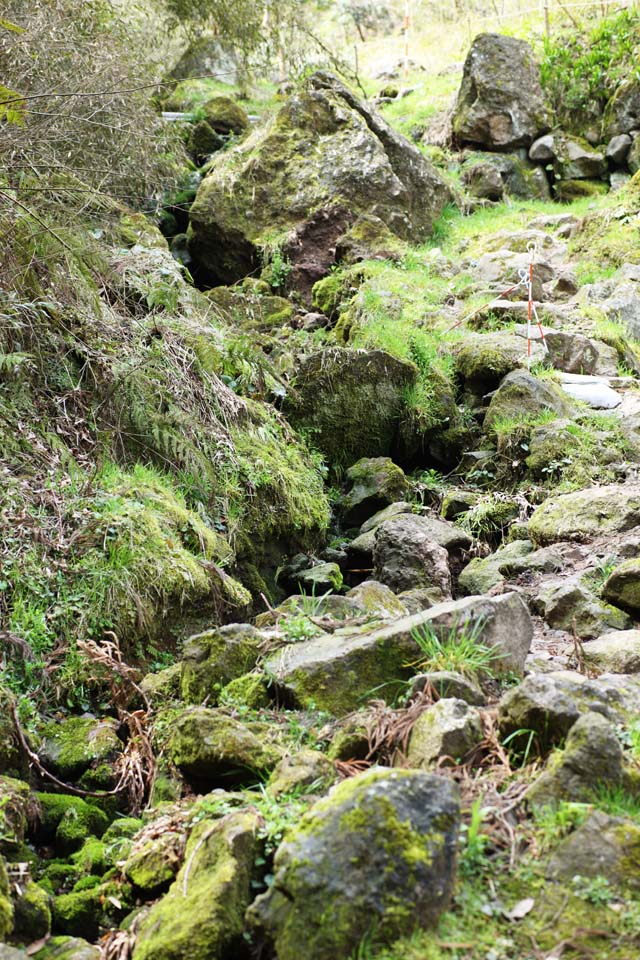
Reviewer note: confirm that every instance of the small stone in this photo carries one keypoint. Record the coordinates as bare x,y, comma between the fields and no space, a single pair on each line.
376,483
310,769
615,652
603,846
542,149
618,148
450,728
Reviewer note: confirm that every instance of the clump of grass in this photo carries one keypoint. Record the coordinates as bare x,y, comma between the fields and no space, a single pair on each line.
459,649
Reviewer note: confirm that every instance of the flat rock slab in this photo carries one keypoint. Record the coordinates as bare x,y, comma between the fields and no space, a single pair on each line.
592,390
340,672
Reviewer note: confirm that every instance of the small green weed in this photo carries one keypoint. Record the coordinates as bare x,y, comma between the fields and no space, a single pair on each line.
458,648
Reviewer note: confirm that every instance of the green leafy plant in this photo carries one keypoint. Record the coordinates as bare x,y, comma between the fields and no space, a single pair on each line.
458,648
473,842
596,890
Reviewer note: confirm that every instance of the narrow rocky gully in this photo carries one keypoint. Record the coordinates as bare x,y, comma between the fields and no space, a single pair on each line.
320,518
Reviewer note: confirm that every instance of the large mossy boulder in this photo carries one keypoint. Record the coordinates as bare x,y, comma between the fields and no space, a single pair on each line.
622,113
202,915
67,948
500,104
373,861
351,402
225,115
586,514
325,159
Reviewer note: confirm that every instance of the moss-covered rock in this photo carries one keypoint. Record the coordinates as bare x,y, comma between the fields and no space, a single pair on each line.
351,402
586,514
340,671
251,309
521,396
591,760
202,916
320,577
73,746
622,587
549,704
163,685
213,659
603,846
32,913
68,948
250,690
567,191
78,914
153,865
447,731
483,359
369,238
568,604
213,749
203,141
6,906
614,652
324,159
308,770
17,804
225,115
394,875
500,103
69,820
376,482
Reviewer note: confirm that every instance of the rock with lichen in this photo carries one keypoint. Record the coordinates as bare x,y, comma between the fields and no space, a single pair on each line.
325,159
500,102
202,915
394,875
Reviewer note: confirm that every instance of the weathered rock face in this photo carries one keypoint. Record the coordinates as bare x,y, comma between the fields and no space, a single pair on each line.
448,684
586,514
394,875
615,652
450,728
208,747
338,672
622,114
307,768
521,392
325,159
549,704
352,400
500,104
201,918
411,551
81,748
602,846
592,758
